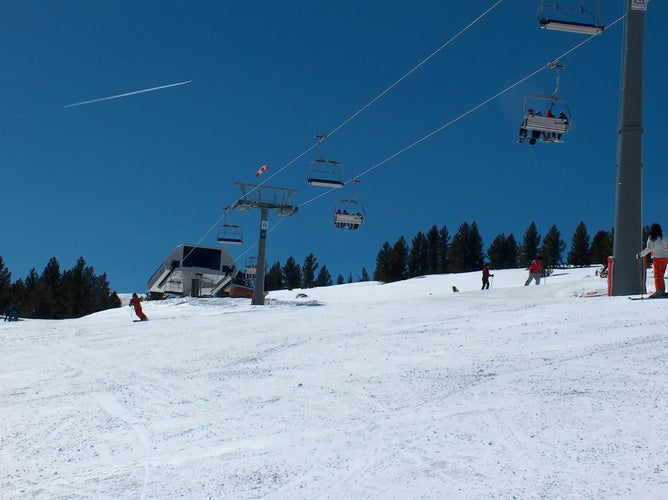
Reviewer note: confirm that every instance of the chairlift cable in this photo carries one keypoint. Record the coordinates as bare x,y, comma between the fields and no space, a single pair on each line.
415,143
361,110
465,114
415,68
370,103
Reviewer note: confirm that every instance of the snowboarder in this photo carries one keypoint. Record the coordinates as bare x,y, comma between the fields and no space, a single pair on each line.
485,277
658,247
135,302
534,271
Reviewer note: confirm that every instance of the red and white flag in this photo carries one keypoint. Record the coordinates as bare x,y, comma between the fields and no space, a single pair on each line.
261,170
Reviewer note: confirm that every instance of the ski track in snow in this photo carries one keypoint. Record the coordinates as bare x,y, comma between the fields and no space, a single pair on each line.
401,390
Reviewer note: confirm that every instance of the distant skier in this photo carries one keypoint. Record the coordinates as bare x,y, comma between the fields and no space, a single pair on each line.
485,277
534,271
136,303
658,246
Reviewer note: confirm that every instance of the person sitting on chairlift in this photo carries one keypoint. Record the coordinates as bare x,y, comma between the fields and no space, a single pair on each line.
522,134
336,218
535,134
562,116
547,136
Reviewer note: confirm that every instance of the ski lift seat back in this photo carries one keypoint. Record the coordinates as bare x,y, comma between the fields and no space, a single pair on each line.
230,234
348,214
325,173
571,26
572,16
348,219
547,124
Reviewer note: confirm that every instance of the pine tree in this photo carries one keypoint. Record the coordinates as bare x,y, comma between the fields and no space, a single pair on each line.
465,253
512,251
75,286
115,300
442,254
382,271
101,296
48,294
432,252
43,301
530,245
324,278
5,286
417,258
292,274
20,298
398,260
457,252
340,280
274,278
31,280
308,271
552,248
579,252
601,247
502,253
365,275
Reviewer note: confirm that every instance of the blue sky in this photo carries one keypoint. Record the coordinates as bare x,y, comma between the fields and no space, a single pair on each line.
122,182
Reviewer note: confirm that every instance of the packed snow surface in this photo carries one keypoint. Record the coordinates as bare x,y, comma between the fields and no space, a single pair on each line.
364,390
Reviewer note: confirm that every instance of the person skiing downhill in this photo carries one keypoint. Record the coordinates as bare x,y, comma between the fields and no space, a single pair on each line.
135,302
534,271
657,245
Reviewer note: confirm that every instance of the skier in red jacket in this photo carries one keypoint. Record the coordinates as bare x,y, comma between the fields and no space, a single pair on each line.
136,303
534,271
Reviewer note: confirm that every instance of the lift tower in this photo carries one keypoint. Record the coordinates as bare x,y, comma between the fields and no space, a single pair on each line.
627,272
265,198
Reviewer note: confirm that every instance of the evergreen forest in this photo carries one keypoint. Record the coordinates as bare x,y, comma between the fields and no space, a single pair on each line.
56,294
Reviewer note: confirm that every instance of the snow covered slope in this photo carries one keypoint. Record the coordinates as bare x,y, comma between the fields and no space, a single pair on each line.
365,390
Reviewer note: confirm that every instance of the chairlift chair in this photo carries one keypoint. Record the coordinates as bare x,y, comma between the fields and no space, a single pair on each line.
325,173
544,128
230,234
566,16
536,125
348,214
250,270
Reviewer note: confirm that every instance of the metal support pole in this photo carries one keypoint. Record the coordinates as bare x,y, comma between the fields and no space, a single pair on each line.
258,293
628,208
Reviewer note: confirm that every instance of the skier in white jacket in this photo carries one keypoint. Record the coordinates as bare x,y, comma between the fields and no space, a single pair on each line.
657,245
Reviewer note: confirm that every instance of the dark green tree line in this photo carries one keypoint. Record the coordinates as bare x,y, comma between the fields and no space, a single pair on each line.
54,294
434,253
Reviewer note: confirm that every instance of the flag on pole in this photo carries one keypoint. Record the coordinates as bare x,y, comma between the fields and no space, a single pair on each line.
261,170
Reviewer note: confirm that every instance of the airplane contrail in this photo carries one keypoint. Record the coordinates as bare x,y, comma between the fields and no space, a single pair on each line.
126,94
